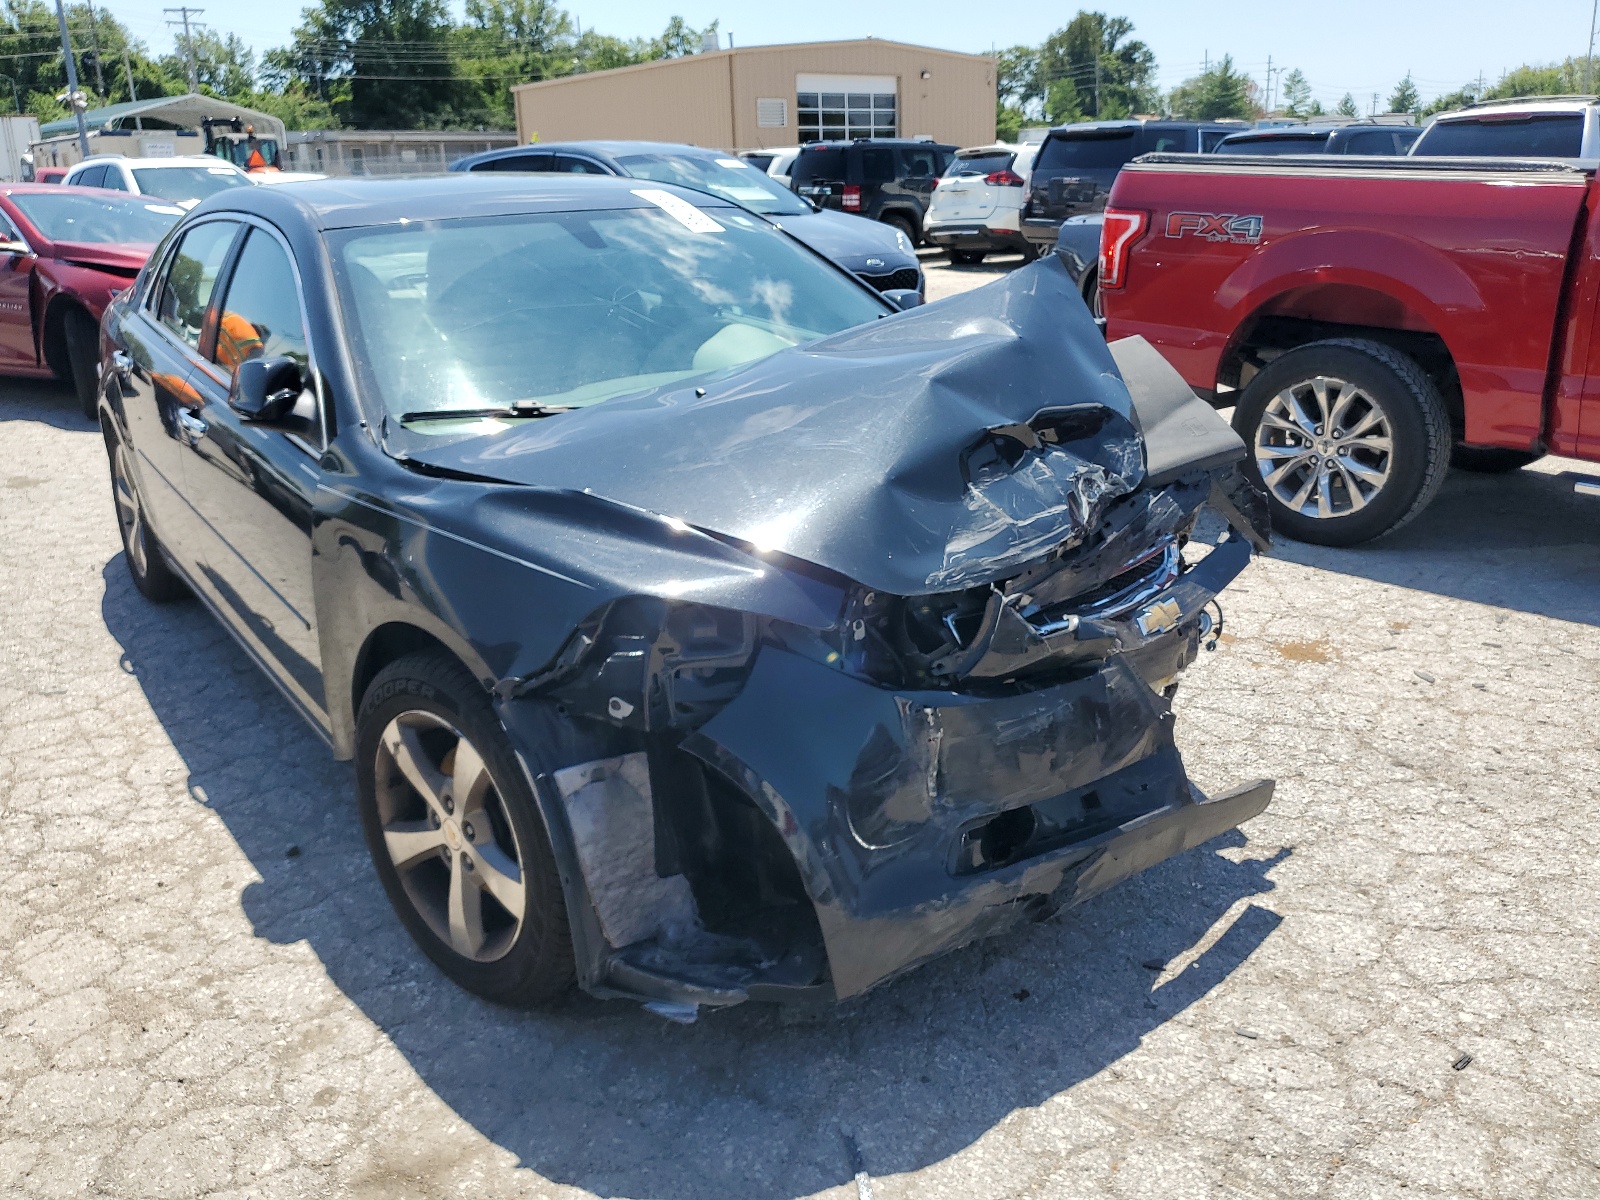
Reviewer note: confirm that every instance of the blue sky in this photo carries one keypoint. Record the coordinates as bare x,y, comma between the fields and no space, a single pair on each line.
1357,46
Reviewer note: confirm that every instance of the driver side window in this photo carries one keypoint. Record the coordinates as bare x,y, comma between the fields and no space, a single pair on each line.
261,315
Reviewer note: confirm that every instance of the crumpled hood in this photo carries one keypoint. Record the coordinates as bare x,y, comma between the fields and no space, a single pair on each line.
899,454
118,257
849,240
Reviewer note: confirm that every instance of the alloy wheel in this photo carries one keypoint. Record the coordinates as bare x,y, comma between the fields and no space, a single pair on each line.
447,832
1324,447
130,514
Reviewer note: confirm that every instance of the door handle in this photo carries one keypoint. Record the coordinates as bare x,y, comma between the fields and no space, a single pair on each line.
121,363
192,427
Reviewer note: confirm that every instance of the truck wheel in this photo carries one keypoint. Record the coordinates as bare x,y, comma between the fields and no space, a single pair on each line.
83,358
1491,460
455,831
965,258
1349,439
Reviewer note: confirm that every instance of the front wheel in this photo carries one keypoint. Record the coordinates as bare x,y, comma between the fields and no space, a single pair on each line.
904,224
455,831
1349,439
83,359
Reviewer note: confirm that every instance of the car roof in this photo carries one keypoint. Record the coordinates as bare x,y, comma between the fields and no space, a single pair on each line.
603,146
1287,131
1140,122
845,143
179,160
1559,104
348,202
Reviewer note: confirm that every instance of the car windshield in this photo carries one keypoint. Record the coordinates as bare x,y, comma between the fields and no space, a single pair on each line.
731,178
186,184
1558,135
73,217
1310,144
557,310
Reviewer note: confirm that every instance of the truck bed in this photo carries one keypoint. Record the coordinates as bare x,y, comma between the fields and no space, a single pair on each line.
1478,254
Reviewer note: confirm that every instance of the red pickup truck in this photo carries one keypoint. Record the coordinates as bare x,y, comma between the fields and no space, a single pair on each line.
1369,320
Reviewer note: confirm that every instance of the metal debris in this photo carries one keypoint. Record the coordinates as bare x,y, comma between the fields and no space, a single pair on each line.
1462,1063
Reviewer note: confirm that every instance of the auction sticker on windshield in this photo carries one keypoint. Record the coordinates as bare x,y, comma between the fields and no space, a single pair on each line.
686,214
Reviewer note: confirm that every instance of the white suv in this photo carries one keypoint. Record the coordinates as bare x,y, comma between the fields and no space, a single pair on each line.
977,206
181,181
1530,127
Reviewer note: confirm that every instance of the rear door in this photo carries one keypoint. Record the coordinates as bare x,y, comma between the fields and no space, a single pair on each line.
1074,171
254,485
160,341
920,168
819,175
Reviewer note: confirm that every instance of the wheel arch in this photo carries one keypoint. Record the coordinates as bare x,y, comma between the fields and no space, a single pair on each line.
386,644
1303,315
53,333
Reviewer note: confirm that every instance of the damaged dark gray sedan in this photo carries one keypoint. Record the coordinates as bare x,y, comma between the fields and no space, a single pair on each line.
703,628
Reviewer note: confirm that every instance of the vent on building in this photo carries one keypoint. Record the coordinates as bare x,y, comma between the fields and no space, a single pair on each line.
772,113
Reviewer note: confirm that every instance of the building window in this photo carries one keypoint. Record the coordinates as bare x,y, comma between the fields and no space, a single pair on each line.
834,115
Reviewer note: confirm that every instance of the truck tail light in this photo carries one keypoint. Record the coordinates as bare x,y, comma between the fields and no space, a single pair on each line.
852,197
1117,236
1006,178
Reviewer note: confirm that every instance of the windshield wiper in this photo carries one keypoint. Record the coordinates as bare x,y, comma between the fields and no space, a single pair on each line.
468,414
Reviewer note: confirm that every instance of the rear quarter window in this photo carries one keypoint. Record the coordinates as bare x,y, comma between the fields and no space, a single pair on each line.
1086,150
1558,135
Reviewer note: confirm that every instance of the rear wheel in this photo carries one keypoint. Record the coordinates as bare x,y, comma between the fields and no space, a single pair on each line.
83,358
1349,439
1491,461
966,258
904,224
455,831
147,562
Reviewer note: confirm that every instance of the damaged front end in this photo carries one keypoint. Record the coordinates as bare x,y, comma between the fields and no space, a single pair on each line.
975,729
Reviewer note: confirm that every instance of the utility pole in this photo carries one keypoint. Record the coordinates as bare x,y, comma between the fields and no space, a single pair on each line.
1588,62
1269,85
75,99
1097,86
133,93
94,40
188,41
1374,111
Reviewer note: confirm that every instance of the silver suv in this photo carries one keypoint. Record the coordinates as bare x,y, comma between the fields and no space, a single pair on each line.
1529,127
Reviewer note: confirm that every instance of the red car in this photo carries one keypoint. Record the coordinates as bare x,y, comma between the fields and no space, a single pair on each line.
1371,322
64,251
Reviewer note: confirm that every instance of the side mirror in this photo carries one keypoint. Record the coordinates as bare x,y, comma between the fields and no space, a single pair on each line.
265,389
903,298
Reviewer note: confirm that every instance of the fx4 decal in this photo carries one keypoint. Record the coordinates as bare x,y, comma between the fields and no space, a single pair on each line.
1212,227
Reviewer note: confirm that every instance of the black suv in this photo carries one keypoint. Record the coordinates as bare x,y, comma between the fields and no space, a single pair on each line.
886,179
1356,137
1075,167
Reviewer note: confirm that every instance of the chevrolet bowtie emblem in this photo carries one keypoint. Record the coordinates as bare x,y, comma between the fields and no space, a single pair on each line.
1158,618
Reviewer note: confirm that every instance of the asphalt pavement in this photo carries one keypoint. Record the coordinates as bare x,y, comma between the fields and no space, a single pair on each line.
1385,986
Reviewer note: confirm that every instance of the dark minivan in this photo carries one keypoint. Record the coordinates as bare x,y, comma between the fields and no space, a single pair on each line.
886,179
1077,164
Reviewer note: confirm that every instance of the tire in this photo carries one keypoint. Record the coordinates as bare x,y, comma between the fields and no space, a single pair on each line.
426,706
905,225
1339,484
146,560
83,359
1091,296
965,258
1031,252
1491,461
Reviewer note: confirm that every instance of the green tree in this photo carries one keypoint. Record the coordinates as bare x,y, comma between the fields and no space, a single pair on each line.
223,66
1110,75
1296,94
1220,92
1347,107
1316,109
1451,101
1404,98
678,40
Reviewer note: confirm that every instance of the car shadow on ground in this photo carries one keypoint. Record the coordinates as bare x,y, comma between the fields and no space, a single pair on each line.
1522,541
751,1102
44,401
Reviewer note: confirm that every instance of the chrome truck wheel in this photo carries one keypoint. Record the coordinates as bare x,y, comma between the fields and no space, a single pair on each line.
1349,438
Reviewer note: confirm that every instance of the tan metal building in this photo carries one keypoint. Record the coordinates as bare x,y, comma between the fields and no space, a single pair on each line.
758,96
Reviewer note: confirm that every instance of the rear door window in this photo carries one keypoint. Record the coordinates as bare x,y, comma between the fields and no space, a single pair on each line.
516,162
877,164
114,180
191,277
577,166
1556,135
1078,151
1373,141
1158,140
90,176
920,163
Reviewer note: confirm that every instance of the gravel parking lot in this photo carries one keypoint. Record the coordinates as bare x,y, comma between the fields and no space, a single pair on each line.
1385,986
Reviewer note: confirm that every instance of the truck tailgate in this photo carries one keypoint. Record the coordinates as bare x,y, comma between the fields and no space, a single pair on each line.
1474,252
